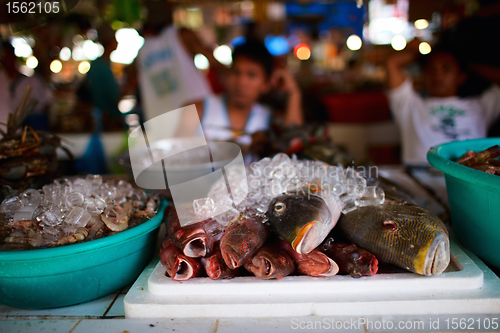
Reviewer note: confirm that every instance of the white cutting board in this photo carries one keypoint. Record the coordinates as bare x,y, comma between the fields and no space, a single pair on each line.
461,289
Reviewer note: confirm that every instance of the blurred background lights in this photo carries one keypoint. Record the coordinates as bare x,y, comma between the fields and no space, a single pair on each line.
421,24
65,54
424,48
354,42
55,66
223,54
32,62
398,42
129,44
302,51
277,45
200,61
84,67
237,41
23,50
90,50
77,53
127,104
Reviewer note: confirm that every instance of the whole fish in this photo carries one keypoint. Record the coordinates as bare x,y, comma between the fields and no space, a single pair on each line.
303,219
215,267
407,236
242,239
179,266
315,263
270,262
351,259
194,240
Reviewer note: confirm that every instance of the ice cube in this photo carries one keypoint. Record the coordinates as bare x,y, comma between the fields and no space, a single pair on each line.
124,187
78,217
74,199
64,186
48,216
279,159
108,192
11,204
203,207
95,181
31,197
82,186
373,195
25,213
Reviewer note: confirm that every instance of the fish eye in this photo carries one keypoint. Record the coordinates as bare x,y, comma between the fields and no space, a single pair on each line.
356,256
279,207
244,246
283,259
390,225
179,233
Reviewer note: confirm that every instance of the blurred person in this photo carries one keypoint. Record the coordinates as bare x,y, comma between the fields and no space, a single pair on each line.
100,88
442,115
237,114
17,84
166,73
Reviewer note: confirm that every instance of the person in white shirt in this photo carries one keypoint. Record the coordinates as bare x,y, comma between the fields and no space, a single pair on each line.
238,114
443,116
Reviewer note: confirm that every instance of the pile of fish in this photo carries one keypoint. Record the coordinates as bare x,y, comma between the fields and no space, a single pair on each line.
486,160
66,212
272,234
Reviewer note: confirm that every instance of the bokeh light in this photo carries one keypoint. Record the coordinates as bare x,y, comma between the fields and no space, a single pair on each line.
55,66
424,48
65,54
223,54
84,67
354,43
201,62
421,24
398,42
32,62
302,51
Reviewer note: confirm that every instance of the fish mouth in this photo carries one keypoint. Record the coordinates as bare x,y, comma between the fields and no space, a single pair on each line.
305,241
184,271
438,255
231,259
196,247
332,270
267,267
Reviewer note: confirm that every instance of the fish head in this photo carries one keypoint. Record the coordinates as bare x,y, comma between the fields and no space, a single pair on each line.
358,262
268,263
240,243
194,240
302,219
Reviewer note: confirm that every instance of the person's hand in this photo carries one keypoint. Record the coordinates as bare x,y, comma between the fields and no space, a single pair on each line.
283,80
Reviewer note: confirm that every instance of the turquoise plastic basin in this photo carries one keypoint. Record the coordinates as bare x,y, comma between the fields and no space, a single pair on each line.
474,198
72,274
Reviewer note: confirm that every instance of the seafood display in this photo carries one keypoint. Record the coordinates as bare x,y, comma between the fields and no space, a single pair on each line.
487,160
67,212
281,220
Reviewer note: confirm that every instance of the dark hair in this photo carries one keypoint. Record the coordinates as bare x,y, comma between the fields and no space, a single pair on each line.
256,51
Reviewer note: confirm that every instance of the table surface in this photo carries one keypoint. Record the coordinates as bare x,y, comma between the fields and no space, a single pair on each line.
107,314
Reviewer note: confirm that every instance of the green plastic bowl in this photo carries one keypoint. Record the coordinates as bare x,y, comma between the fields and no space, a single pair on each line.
72,274
474,198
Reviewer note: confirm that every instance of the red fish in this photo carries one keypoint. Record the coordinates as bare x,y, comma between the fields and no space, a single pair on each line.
241,240
351,259
179,266
193,240
315,263
215,266
270,262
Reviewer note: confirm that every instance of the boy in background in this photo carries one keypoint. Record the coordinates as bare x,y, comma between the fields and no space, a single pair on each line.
442,116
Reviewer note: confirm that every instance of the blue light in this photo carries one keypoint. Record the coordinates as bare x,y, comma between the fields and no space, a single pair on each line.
277,45
237,41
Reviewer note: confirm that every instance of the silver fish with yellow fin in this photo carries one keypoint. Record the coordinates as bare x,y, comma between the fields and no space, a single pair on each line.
405,235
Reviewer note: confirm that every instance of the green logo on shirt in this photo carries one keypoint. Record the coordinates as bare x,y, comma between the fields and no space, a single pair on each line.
446,111
446,116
